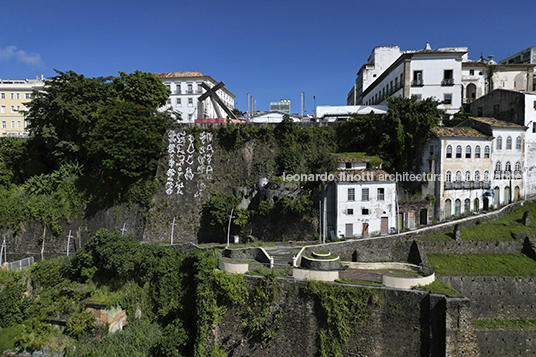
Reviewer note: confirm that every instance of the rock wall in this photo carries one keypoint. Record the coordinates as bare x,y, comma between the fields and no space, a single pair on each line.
401,323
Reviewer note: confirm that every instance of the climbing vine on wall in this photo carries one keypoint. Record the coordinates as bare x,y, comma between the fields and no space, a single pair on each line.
345,307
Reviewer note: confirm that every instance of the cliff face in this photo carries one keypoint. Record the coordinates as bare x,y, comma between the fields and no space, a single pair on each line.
197,162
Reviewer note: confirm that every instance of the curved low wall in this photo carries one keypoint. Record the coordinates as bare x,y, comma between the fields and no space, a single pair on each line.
321,264
398,282
233,268
322,275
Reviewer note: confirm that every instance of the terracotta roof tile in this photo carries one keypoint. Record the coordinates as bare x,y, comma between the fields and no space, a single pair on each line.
456,132
496,123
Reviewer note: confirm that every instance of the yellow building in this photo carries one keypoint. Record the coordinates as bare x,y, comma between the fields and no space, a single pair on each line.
14,94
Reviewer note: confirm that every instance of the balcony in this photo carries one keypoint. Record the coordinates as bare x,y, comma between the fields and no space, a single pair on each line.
190,91
477,184
448,186
447,82
457,185
468,184
486,185
417,83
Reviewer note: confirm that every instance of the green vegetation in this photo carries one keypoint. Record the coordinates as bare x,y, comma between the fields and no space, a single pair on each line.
502,229
361,282
495,324
437,286
482,264
345,308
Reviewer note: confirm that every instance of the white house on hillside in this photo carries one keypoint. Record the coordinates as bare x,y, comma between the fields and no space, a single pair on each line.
344,112
185,90
362,200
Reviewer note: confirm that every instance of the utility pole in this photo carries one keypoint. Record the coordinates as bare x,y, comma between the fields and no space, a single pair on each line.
172,226
68,242
123,230
229,226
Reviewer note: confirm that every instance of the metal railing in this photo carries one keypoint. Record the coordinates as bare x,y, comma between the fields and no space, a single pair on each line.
447,82
22,264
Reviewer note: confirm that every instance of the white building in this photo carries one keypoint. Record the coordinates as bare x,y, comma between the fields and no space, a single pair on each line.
362,200
272,117
526,56
344,112
185,90
424,73
520,108
480,163
445,74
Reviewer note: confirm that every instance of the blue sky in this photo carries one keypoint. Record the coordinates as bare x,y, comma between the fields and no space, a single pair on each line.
273,49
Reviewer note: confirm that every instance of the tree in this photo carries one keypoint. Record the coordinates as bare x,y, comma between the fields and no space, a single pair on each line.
127,139
61,116
141,88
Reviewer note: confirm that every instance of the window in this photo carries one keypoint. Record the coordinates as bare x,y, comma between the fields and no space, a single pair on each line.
509,143
448,77
431,150
12,95
179,103
12,109
417,78
13,124
447,99
27,96
458,176
471,72
18,124
348,165
18,95
534,127
486,176
477,175
477,152
381,194
190,88
498,144
3,96
518,143
350,211
190,102
458,152
486,152
4,124
418,96
3,109
468,152
365,211
448,176
177,88
518,166
351,194
199,88
467,206
467,175
365,194
508,167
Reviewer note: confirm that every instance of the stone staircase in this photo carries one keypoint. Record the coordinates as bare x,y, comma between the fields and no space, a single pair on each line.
282,255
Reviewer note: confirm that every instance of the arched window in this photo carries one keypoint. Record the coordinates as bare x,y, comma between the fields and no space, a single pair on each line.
486,152
518,143
498,172
496,193
467,175
508,166
509,143
518,167
477,152
449,151
516,193
458,176
448,208
498,143
486,176
458,208
458,152
467,206
448,176
468,152
498,166
477,175
476,206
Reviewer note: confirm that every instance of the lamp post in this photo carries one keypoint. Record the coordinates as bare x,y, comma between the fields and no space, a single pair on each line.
229,226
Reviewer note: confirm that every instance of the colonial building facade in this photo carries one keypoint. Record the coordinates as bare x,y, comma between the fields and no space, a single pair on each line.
14,94
185,90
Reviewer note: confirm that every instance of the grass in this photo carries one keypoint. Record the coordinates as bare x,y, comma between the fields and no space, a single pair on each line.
437,286
264,271
482,264
352,281
7,337
501,229
494,324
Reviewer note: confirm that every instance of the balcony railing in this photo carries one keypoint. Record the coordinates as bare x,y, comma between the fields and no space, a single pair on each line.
477,184
486,184
447,82
190,91
468,184
457,184
448,186
417,83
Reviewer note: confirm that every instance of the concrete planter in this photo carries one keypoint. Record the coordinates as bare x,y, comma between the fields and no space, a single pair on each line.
320,264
